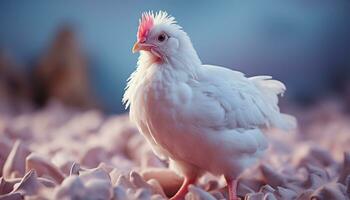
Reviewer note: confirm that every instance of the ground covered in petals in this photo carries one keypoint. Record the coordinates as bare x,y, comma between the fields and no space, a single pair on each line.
62,153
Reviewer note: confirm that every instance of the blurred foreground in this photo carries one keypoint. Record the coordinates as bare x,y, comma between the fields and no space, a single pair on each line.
62,153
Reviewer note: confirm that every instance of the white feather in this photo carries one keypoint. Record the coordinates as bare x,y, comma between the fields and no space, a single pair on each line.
202,117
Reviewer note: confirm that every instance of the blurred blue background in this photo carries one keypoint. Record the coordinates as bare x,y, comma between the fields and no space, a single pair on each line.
306,44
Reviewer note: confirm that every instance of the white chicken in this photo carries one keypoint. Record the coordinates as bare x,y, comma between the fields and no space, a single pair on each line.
202,118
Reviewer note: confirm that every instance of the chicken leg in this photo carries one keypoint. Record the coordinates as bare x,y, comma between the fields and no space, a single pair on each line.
232,188
180,195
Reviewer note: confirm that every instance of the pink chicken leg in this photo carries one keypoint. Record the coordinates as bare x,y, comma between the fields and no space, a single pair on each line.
180,195
232,188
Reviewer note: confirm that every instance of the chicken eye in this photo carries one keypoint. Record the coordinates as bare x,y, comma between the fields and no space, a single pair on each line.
162,37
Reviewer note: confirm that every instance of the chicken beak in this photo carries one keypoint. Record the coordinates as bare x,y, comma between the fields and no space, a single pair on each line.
136,47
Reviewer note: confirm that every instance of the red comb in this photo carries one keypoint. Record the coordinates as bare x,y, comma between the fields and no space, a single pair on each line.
146,23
